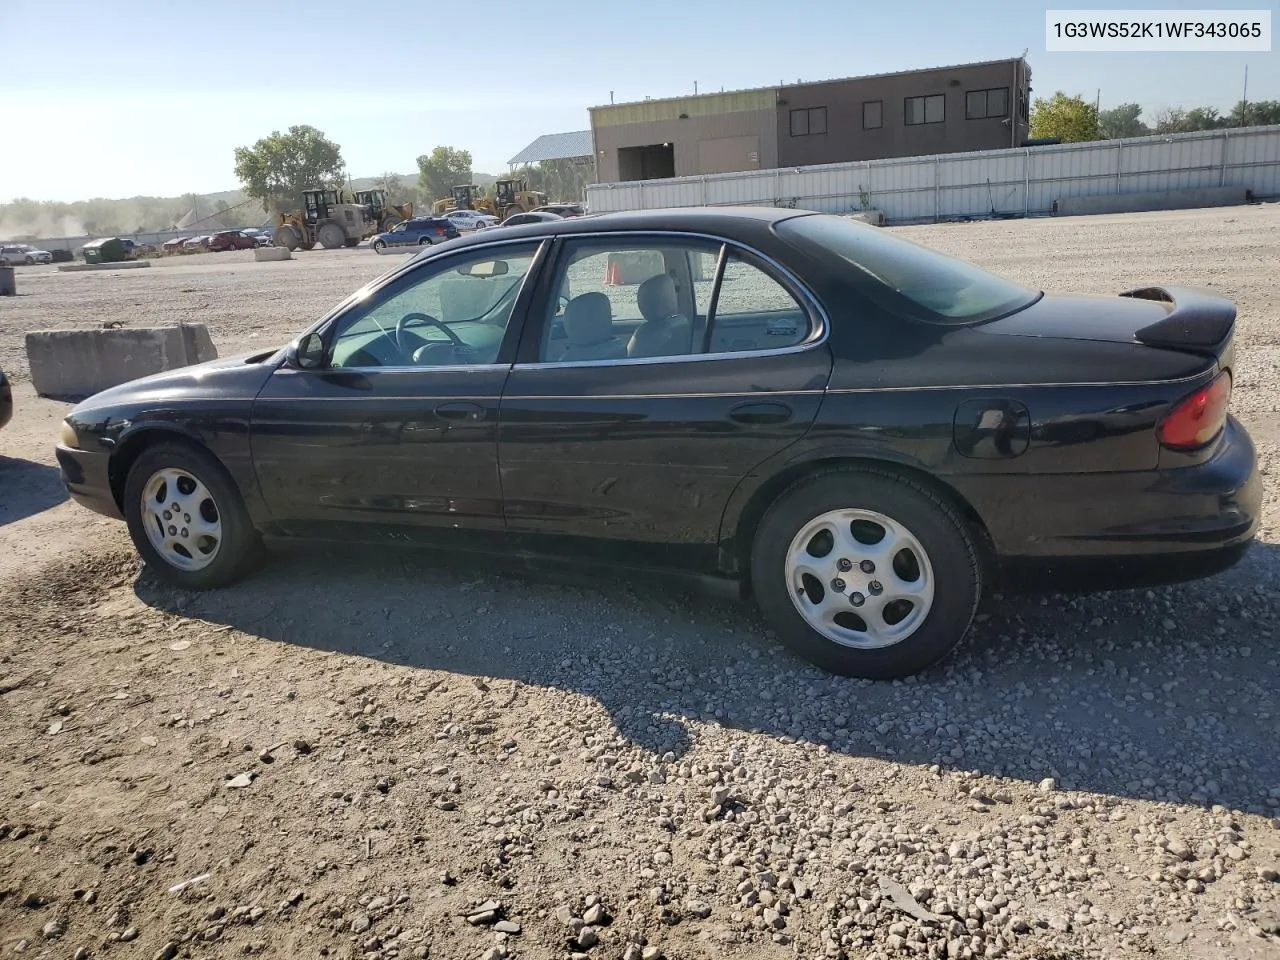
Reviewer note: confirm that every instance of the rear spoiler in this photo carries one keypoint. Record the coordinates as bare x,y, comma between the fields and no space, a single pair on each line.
1198,321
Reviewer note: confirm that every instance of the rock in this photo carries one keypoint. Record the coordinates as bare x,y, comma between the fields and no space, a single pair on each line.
564,915
1234,852
587,938
1048,785
130,934
507,926
901,898
167,952
82,953
239,782
360,923
773,918
302,746
483,918
448,879
698,908
633,952
594,915
493,953
719,795
53,929
1268,874
149,741
651,953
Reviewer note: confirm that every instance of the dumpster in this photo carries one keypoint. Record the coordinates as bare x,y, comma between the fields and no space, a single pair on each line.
108,250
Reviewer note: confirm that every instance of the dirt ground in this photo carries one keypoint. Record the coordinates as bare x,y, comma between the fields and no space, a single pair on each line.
351,754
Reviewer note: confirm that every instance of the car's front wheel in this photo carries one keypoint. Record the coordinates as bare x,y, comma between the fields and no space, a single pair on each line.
186,517
865,573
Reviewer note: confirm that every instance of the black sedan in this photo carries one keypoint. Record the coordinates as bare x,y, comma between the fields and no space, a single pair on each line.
6,400
863,432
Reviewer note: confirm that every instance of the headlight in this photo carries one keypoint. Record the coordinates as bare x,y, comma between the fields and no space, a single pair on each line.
67,436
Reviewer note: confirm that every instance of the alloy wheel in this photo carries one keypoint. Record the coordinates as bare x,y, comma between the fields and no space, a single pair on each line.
860,578
181,519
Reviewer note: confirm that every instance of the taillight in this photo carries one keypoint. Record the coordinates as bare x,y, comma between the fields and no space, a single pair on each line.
1195,420
439,231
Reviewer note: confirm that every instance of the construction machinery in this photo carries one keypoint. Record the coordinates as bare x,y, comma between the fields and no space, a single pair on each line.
329,217
384,215
466,196
514,196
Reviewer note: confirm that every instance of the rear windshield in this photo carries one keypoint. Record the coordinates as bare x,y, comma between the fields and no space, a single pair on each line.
920,282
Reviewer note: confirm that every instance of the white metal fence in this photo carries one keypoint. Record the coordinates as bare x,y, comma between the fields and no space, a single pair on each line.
1024,181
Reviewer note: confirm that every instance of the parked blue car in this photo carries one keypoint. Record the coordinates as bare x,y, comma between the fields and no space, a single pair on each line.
417,232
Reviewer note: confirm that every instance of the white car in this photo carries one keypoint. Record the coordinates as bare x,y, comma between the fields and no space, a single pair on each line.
23,253
469,220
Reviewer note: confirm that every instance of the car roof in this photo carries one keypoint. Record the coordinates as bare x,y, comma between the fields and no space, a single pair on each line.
678,219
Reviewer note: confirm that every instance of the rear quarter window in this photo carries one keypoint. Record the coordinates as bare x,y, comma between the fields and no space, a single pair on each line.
909,278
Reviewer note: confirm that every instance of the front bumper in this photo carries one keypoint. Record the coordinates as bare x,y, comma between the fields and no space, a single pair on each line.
1116,530
87,477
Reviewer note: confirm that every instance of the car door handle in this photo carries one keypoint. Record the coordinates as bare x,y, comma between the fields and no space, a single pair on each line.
760,412
460,410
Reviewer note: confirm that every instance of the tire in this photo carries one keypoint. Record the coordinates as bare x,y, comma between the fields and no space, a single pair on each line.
424,241
331,236
31,261
936,573
286,236
379,246
158,473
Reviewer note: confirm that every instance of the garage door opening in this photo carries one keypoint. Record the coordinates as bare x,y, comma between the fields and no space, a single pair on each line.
654,162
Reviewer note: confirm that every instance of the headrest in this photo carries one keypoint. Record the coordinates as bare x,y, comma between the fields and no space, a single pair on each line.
656,297
588,319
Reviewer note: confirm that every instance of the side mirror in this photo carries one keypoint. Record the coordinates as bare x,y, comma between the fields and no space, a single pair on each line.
309,354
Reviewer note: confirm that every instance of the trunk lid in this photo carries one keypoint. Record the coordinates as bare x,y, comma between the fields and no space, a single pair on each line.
1174,318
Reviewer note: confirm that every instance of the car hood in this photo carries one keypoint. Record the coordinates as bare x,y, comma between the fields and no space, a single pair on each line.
229,378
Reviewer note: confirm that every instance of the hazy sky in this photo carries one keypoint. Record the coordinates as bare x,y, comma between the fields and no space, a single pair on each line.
146,97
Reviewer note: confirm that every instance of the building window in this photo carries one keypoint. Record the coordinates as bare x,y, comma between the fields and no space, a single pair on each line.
807,122
872,114
925,109
980,104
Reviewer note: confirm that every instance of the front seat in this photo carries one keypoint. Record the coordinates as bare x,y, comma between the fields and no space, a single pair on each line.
665,333
588,325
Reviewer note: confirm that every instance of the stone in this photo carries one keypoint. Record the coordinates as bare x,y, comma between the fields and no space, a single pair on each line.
698,908
587,938
594,915
507,926
53,929
360,923
239,782
167,952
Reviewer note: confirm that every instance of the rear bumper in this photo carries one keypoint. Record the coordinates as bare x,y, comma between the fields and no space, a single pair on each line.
86,475
1118,530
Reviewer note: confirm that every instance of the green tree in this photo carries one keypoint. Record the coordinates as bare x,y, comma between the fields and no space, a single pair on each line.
1122,121
440,170
1256,114
276,169
1069,119
395,188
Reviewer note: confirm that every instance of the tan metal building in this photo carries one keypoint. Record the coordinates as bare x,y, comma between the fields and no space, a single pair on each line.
975,106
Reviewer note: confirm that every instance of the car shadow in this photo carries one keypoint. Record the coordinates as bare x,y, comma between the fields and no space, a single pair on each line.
1168,694
27,488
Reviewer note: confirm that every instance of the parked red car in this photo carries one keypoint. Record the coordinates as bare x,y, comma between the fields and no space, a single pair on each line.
232,240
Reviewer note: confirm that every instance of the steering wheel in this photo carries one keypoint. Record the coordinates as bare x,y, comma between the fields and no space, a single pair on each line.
411,318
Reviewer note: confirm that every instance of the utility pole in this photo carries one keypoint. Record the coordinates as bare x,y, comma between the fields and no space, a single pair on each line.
1097,103
1244,99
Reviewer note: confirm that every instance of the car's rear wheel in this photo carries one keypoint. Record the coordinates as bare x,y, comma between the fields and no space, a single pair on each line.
31,261
424,241
186,517
866,574
380,246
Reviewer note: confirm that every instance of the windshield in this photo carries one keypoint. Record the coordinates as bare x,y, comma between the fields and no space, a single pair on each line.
922,283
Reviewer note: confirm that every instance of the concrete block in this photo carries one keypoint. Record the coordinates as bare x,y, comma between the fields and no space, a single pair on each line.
72,364
266,254
1155,200
873,217
122,265
8,282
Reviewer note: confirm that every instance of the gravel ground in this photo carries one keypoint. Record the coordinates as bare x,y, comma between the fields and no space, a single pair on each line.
356,754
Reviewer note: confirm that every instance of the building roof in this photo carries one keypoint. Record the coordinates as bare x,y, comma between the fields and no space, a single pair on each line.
555,146
807,83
